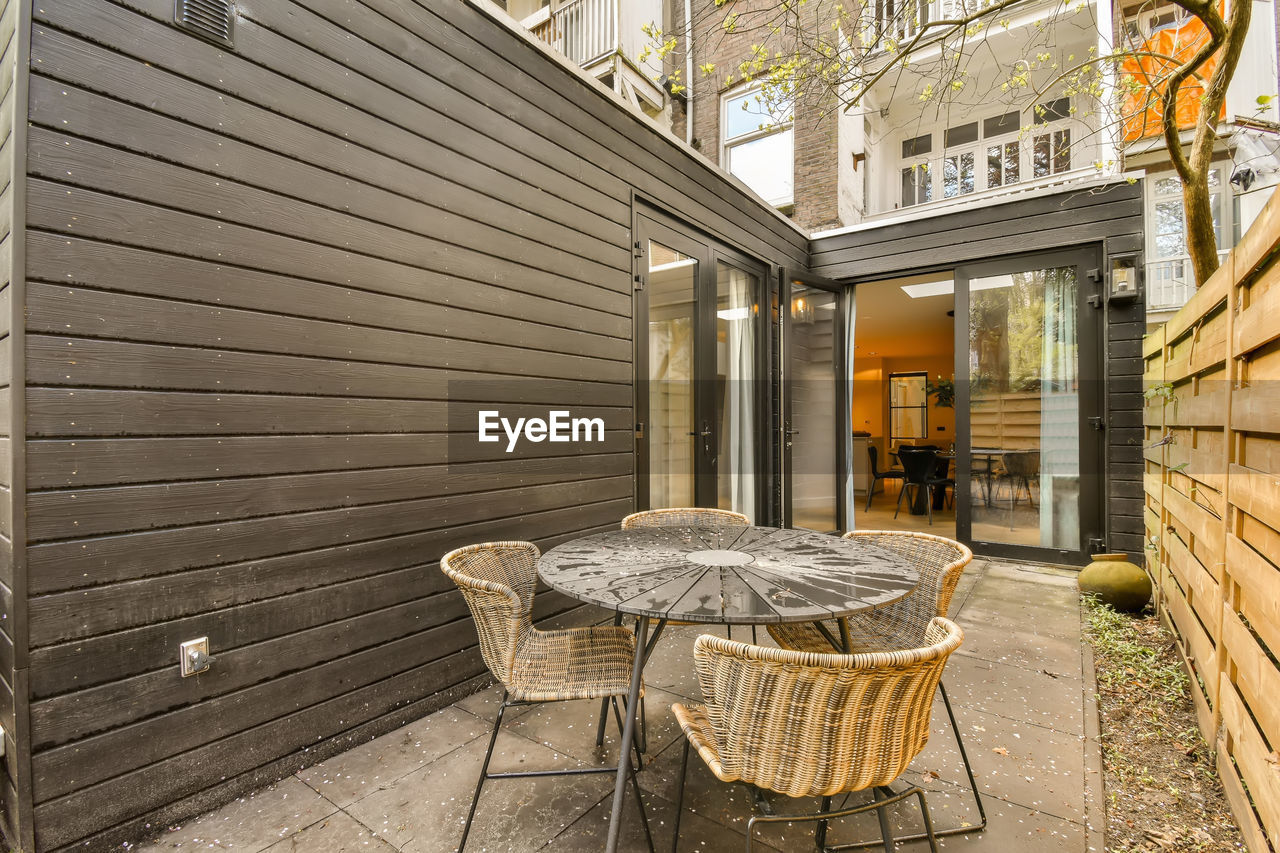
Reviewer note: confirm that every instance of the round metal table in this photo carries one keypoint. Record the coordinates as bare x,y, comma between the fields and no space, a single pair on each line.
733,575
719,575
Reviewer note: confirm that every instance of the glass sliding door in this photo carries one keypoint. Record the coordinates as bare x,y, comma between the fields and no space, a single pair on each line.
701,405
672,277
1029,339
816,416
737,389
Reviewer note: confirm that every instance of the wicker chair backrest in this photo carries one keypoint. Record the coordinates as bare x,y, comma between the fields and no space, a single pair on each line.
808,724
685,517
940,562
497,580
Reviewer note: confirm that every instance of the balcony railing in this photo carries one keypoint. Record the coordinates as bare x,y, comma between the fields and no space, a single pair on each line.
583,30
900,20
1169,284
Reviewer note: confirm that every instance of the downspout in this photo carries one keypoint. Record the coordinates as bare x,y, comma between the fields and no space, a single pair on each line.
688,72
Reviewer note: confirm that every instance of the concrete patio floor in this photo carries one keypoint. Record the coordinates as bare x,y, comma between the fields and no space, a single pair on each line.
1022,687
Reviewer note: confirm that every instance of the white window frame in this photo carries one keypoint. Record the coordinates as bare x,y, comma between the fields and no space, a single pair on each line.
726,144
1169,286
1226,211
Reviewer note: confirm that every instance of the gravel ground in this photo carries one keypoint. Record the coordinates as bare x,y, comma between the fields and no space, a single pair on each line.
1162,791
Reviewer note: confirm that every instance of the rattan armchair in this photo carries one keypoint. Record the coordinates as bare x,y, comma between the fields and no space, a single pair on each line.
808,725
903,624
497,580
692,516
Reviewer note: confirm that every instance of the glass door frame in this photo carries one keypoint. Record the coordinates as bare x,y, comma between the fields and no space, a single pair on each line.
1092,400
649,225
787,278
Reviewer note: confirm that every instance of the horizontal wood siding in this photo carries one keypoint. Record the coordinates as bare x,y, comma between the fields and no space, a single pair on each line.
11,698
266,289
1109,216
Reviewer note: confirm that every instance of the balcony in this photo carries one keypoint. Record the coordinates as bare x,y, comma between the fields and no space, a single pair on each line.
1169,285
606,38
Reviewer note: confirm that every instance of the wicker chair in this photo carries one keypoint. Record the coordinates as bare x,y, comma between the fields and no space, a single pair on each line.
685,517
691,516
497,580
901,625
808,725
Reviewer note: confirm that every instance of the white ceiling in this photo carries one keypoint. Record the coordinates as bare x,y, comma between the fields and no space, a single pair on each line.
891,324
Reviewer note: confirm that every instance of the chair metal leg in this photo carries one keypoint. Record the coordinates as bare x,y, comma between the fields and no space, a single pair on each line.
820,837
930,833
604,703
968,769
928,822
882,815
885,797
897,509
684,771
928,495
484,773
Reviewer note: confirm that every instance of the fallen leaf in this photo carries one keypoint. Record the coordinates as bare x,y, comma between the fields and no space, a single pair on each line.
1000,750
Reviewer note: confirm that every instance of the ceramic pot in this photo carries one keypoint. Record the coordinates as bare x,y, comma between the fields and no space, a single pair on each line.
1116,582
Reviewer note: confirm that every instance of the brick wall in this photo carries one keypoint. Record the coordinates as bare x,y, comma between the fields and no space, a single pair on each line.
816,182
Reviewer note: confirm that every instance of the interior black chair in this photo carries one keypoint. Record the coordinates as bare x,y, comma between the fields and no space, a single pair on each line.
920,467
877,475
1021,467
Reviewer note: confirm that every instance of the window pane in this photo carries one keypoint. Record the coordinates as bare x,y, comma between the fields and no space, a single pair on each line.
766,165
1215,205
1168,217
672,277
1006,123
1024,411
1040,157
1061,151
962,135
919,145
746,113
1168,186
1051,111
916,186
951,177
736,313
1011,162
966,173
995,175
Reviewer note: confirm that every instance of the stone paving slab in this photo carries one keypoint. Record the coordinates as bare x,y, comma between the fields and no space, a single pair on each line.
1019,686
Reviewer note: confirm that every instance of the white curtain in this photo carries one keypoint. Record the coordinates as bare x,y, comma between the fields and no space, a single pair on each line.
738,445
1060,414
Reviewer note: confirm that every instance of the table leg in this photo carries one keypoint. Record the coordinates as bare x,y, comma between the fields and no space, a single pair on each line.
628,735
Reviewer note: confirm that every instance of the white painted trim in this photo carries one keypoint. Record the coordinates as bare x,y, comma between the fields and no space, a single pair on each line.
499,16
931,211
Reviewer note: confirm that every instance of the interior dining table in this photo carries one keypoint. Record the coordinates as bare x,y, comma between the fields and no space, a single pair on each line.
717,576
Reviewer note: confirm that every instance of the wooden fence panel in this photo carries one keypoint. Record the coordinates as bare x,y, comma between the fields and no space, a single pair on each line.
1212,483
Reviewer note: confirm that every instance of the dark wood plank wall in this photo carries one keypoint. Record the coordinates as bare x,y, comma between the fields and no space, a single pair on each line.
1110,216
255,277
9,814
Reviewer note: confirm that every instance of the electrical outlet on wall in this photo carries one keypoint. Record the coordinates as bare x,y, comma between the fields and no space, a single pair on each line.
193,657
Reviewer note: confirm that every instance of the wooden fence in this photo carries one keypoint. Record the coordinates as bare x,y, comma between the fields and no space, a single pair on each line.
1212,484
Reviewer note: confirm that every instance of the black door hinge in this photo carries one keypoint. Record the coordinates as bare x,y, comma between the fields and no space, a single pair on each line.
1097,423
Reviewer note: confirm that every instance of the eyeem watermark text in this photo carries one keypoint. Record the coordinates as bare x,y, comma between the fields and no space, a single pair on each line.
558,427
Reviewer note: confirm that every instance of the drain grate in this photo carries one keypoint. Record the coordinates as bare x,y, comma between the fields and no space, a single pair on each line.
209,19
